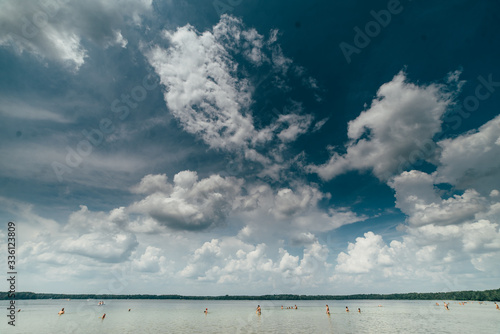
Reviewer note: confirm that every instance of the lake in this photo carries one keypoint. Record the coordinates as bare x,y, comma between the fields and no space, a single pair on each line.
183,316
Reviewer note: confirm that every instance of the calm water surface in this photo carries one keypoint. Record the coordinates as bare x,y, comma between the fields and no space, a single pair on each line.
178,316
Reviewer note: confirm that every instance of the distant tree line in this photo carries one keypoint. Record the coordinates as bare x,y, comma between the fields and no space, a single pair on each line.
486,295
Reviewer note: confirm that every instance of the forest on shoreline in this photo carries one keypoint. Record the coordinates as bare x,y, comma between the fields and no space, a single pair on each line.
486,295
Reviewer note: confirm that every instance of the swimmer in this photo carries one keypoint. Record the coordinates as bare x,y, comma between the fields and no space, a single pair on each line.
359,310
346,309
258,311
327,309
206,311
437,304
446,306
281,306
498,308
295,306
103,316
61,311
129,310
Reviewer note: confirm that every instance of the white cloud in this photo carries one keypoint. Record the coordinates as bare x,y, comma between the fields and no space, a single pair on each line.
320,124
288,203
119,39
89,241
444,235
472,160
24,213
151,261
291,212
232,261
303,238
153,183
192,204
296,126
431,252
106,247
99,235
365,254
201,88
419,200
481,236
402,118
56,30
210,93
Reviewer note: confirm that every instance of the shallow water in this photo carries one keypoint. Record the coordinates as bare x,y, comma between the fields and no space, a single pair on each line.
179,316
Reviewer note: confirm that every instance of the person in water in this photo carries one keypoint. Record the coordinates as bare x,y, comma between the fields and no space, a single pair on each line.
258,309
206,311
103,316
327,309
346,309
61,311
359,310
498,308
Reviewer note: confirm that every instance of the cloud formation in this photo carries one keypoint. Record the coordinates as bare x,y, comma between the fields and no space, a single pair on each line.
402,118
188,204
56,30
472,160
232,261
210,92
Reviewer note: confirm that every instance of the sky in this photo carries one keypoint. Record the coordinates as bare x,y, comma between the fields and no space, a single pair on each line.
250,147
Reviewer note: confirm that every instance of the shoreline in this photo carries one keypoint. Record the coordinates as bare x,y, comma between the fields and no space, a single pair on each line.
486,295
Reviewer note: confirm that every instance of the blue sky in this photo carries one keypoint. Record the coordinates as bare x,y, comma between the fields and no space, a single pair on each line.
251,147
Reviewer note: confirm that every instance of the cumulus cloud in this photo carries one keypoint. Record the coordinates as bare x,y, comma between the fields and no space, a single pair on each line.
210,93
429,252
292,212
417,197
445,232
99,235
401,119
90,241
230,260
296,125
304,238
366,253
153,183
106,247
192,204
56,30
288,202
151,261
201,90
189,203
472,160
